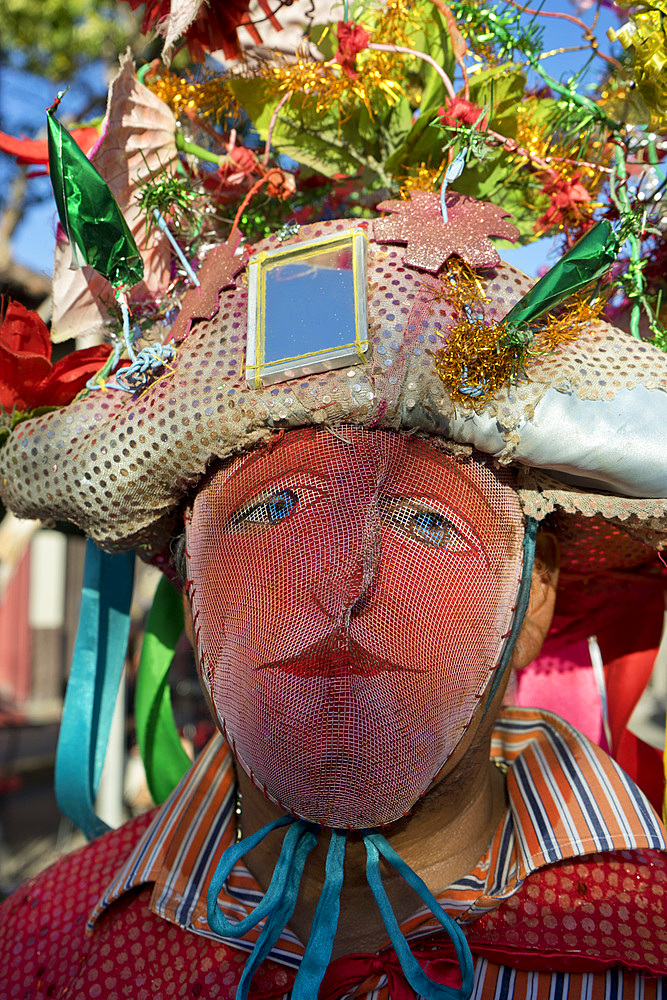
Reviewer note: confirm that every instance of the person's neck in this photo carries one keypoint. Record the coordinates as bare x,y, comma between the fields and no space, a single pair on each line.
446,834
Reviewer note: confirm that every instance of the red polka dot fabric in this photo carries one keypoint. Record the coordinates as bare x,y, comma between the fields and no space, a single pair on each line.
592,914
134,954
596,912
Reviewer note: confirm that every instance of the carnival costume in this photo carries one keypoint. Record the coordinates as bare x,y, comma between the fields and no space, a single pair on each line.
348,478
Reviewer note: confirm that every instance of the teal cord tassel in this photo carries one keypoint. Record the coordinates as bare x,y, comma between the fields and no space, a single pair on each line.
217,921
304,839
325,922
279,902
377,844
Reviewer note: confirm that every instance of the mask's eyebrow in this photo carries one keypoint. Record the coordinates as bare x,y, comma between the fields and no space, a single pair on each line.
476,488
425,477
249,483
487,502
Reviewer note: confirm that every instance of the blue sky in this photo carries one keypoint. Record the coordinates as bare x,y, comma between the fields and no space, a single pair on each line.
25,98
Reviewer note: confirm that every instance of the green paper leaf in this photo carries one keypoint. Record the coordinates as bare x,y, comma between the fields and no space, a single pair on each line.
501,180
422,144
89,213
500,90
435,42
587,261
316,140
396,125
365,140
324,37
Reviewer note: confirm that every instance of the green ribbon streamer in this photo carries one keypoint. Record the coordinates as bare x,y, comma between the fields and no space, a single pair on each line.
164,758
586,261
89,213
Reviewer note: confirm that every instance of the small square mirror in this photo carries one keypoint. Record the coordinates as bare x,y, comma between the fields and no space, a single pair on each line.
307,309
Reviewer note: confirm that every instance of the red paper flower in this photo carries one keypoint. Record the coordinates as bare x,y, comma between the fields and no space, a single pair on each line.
460,112
27,377
280,184
213,27
36,151
566,198
352,39
239,163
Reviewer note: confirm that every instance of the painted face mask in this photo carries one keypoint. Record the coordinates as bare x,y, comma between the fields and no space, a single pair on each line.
351,594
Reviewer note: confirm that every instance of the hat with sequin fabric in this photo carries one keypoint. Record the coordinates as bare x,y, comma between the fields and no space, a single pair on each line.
583,421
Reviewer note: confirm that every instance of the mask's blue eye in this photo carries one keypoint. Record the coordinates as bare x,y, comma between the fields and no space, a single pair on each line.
271,510
423,524
430,527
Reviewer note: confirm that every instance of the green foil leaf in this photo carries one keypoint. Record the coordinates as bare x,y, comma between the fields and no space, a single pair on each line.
89,213
585,262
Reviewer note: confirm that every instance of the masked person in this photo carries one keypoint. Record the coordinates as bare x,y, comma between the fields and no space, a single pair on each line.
361,559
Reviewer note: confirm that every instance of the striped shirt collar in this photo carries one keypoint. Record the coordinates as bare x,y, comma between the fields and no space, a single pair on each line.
566,798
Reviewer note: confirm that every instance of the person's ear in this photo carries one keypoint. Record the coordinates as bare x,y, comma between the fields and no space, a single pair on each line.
541,602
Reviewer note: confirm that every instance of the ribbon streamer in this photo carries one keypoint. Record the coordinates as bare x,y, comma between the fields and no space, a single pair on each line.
165,760
454,170
277,907
97,664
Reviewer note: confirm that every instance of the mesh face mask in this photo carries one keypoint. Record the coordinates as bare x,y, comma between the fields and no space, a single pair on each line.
351,594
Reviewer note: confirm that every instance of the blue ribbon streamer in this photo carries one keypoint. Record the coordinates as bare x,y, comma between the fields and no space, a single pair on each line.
97,664
323,931
425,987
278,905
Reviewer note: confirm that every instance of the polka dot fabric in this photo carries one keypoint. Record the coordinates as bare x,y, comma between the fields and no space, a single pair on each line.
119,465
47,955
596,912
599,912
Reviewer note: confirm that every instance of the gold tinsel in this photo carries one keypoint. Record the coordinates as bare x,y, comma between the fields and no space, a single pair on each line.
324,84
537,138
461,287
645,33
208,97
420,178
473,364
564,162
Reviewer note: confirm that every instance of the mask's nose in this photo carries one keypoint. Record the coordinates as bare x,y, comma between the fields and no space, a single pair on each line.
346,585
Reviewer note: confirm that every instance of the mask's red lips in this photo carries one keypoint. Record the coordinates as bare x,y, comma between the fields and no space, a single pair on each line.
334,655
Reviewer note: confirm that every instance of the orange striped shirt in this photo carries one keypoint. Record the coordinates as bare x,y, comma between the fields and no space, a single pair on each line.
565,799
